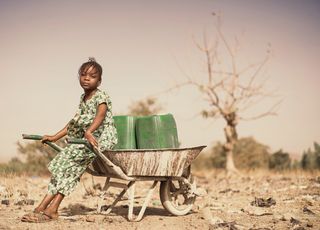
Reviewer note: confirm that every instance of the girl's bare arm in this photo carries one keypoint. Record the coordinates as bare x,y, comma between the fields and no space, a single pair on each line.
57,136
97,121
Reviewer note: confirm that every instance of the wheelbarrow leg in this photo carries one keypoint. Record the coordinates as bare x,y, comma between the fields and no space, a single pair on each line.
119,197
115,184
145,203
100,200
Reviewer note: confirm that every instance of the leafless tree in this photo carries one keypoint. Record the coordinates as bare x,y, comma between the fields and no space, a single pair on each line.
229,89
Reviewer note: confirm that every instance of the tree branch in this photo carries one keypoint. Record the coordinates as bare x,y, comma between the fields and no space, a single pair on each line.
270,112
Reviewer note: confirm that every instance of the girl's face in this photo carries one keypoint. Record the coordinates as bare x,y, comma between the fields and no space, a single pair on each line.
89,79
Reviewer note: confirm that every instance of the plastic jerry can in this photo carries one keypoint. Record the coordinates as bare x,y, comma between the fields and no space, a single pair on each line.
156,132
125,126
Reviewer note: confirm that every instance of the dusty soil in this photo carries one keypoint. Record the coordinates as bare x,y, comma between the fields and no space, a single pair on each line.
294,200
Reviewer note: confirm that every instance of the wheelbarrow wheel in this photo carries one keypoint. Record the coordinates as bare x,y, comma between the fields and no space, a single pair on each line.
174,197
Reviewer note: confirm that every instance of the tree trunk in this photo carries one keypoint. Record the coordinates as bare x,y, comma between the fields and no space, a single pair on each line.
230,163
231,138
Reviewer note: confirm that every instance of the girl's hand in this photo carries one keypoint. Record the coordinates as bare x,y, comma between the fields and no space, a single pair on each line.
91,139
48,138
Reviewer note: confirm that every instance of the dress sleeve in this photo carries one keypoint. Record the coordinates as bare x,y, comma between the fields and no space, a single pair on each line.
102,98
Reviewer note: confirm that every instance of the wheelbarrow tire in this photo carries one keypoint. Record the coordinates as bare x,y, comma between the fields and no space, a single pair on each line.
168,203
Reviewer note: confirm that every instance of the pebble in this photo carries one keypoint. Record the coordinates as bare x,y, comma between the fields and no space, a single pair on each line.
90,219
307,210
5,202
287,216
259,212
309,225
25,202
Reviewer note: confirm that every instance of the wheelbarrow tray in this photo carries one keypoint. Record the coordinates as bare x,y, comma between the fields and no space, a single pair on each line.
150,162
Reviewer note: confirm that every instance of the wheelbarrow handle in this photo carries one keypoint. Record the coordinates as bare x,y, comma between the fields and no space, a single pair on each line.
78,141
38,138
32,137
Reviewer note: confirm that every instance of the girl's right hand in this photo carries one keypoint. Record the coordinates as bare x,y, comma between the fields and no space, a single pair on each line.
48,138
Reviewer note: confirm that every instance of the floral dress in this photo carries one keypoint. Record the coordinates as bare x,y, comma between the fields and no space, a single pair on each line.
68,166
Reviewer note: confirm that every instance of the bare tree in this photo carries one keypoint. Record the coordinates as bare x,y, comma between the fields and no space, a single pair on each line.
229,90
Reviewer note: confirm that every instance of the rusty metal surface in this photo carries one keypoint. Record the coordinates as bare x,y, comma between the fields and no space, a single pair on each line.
153,162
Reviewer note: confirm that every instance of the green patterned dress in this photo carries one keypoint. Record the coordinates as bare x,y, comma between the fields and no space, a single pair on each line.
68,166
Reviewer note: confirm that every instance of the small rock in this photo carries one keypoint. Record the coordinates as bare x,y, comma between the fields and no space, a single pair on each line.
5,202
90,219
25,202
309,199
296,224
232,210
287,216
308,211
309,225
108,219
298,228
229,225
295,221
261,202
259,212
226,190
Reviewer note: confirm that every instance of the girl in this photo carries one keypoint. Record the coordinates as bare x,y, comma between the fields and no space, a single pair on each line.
92,121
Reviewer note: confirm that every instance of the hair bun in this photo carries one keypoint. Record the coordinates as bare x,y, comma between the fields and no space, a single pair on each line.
92,59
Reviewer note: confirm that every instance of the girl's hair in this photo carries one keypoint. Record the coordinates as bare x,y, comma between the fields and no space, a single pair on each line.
90,63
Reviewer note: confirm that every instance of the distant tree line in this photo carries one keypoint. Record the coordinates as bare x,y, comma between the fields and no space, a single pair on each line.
250,154
33,159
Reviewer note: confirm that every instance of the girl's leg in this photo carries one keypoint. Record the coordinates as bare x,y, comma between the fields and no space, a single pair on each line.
41,207
45,202
52,209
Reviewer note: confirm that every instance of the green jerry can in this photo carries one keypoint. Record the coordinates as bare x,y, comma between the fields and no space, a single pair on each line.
156,132
125,126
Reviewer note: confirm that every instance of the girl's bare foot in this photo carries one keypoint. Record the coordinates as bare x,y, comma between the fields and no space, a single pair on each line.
39,217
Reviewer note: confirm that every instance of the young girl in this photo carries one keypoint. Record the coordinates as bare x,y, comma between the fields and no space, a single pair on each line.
92,121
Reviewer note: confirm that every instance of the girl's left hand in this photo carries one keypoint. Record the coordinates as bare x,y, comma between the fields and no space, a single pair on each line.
91,139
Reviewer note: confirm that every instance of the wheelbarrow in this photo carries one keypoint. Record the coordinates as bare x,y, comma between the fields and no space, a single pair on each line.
171,167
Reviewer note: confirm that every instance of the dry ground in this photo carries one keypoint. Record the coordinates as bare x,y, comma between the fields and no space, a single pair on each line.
226,206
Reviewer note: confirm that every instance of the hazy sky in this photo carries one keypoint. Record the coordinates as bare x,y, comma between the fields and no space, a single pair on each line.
141,45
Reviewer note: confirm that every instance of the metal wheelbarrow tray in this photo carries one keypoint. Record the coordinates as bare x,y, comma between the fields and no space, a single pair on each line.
150,162
171,167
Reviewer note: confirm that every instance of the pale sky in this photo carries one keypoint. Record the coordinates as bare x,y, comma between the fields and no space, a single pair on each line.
140,45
